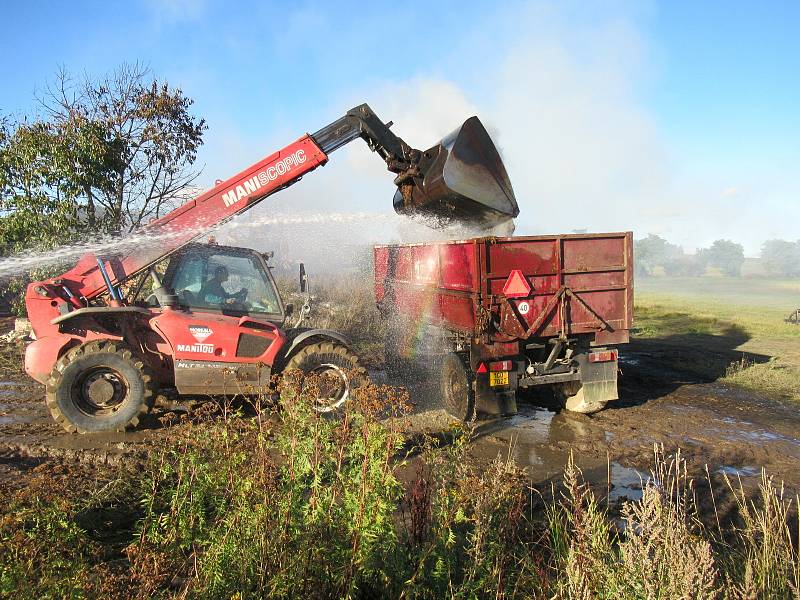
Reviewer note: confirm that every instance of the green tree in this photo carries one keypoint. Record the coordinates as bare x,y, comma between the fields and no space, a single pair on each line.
653,252
781,258
725,255
105,156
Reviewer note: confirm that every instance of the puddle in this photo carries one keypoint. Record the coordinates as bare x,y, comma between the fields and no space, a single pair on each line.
741,430
13,419
12,384
626,483
630,360
756,435
745,471
540,441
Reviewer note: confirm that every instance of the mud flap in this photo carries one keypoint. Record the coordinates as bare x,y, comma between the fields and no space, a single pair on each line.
599,381
495,401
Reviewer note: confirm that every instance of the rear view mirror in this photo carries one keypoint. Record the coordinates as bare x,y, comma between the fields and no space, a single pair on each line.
303,278
288,310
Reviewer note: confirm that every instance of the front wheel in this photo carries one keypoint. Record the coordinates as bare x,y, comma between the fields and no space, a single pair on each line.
99,387
338,369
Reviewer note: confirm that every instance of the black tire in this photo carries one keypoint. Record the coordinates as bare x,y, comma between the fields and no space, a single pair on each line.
99,387
458,396
330,358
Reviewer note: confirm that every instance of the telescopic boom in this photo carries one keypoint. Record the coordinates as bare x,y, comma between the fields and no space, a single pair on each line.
460,179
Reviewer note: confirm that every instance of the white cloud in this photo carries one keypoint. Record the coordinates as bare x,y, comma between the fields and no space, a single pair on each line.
731,192
173,11
565,99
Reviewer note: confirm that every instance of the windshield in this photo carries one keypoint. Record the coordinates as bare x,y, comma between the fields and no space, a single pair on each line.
224,281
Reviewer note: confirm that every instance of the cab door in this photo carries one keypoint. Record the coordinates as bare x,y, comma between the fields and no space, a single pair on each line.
219,345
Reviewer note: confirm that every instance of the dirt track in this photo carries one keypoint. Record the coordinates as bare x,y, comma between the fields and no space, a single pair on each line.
728,429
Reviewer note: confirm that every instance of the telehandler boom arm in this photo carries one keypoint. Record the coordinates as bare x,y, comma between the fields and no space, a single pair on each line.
481,192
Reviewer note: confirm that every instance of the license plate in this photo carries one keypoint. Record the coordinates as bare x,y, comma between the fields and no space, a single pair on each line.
498,378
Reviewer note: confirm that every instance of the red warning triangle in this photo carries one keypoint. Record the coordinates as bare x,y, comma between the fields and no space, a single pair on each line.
517,285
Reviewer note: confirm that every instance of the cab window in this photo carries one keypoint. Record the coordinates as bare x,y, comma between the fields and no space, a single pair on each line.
224,281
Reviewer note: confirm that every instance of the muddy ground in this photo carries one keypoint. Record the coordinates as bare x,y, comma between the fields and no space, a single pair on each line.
726,429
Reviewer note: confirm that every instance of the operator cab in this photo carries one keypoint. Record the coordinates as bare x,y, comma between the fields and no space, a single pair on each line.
232,281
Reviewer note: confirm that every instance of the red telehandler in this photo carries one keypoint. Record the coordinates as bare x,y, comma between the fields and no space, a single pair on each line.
103,353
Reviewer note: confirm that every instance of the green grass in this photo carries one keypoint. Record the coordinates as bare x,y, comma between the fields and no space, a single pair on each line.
720,317
758,306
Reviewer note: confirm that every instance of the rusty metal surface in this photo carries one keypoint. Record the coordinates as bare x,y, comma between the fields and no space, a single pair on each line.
581,284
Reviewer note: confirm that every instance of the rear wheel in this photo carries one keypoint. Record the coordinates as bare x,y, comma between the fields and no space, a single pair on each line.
457,394
338,369
571,396
99,387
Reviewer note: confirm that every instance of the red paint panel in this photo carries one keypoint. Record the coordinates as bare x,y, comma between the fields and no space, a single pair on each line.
430,278
381,271
532,255
211,336
457,312
425,260
404,265
595,280
593,253
458,266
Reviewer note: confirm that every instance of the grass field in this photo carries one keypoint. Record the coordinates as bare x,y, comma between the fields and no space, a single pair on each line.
744,316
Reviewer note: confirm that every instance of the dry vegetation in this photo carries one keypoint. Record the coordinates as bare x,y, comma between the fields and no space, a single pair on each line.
284,502
297,505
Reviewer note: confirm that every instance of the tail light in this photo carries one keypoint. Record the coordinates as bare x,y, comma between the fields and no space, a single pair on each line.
502,365
603,356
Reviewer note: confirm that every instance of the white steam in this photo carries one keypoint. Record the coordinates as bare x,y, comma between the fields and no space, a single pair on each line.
563,90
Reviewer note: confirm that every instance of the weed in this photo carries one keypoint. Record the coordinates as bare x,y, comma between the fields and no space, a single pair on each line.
773,377
303,505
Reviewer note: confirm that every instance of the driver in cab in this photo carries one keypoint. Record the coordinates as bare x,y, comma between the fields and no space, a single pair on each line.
213,293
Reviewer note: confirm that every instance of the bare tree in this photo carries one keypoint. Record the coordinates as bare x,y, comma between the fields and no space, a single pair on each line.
133,141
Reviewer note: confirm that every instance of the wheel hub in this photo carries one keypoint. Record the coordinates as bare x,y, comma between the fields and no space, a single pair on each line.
101,391
333,387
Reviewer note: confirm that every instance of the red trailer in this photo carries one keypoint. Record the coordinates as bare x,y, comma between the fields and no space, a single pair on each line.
514,312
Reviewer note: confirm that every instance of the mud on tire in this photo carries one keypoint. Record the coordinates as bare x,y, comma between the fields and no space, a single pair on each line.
570,396
458,396
99,386
338,364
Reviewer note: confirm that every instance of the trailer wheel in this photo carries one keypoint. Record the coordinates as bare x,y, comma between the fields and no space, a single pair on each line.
99,387
457,393
571,396
339,368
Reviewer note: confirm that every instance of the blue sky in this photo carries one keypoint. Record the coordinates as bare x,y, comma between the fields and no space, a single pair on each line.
676,118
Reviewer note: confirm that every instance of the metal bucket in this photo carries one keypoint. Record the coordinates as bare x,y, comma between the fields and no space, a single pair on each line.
461,180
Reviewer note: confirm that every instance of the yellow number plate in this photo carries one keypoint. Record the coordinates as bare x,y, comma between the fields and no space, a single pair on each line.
498,378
